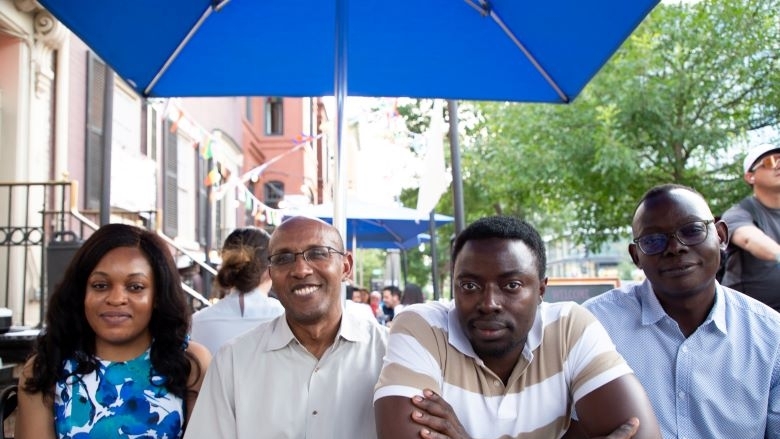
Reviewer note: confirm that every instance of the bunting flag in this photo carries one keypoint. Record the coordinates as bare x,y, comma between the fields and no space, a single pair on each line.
303,138
227,185
213,177
175,124
206,152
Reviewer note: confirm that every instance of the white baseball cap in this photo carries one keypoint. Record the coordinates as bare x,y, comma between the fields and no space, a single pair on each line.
754,154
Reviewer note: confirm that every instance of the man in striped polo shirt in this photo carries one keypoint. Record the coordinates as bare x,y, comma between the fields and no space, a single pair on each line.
501,363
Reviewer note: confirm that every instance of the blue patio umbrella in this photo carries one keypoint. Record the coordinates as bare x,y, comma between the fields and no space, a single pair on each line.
377,226
530,50
513,50
371,225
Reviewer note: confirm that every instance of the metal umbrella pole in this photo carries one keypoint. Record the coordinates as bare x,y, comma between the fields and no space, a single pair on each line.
457,183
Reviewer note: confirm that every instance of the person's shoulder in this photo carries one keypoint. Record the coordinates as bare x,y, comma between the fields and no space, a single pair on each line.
422,318
362,310
615,298
740,210
27,368
217,309
360,315
200,352
201,356
431,312
272,301
429,308
744,307
565,312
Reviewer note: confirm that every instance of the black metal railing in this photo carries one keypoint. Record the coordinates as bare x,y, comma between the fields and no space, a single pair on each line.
37,217
41,228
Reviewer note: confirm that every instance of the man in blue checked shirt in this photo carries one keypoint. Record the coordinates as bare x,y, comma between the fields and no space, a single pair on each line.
708,356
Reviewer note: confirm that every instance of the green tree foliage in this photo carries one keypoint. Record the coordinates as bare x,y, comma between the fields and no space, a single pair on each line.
670,106
367,260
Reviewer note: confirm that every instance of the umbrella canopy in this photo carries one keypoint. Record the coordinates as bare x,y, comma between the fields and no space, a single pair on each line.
540,50
530,51
377,226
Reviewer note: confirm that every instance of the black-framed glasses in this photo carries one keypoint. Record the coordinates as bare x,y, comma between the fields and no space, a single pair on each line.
769,162
690,234
312,255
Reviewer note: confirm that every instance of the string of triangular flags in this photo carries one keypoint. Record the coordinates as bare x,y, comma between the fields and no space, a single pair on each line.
224,182
261,211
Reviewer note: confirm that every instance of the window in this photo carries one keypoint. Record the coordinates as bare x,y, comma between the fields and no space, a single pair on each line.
248,109
96,96
274,116
170,185
202,201
150,123
273,193
186,188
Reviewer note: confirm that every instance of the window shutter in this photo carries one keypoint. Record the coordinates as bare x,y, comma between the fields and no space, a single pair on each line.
149,130
170,181
93,151
203,199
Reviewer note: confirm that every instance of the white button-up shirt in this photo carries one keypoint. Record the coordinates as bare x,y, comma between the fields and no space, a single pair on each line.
265,384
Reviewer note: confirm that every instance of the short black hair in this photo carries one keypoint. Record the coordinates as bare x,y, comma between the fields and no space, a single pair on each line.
394,290
504,227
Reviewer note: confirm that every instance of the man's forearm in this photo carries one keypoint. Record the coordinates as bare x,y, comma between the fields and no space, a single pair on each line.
757,243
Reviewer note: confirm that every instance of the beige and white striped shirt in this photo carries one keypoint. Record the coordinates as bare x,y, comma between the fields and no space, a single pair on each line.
567,355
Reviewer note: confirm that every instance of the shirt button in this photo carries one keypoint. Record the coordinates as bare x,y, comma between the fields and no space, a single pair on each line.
681,394
685,349
496,383
314,413
316,369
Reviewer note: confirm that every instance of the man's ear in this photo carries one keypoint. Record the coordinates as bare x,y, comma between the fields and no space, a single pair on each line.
348,266
632,250
723,234
749,178
542,289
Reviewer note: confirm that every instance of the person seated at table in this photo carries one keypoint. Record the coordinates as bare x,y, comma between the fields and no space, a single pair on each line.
708,355
114,359
500,362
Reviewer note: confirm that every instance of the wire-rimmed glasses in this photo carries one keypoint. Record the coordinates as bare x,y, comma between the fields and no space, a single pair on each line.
312,255
690,234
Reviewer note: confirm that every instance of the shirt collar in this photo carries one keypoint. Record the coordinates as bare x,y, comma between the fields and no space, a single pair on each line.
718,312
652,311
351,329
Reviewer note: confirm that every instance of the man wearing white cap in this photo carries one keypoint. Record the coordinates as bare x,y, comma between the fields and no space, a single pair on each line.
753,264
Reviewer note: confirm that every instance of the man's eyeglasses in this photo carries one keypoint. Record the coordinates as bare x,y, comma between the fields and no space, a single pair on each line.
311,255
693,233
770,162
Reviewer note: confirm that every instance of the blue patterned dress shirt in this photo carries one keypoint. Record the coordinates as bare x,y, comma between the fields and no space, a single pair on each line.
723,381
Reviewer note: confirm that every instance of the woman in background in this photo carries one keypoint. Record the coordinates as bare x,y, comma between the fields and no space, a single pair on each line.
114,359
244,273
412,294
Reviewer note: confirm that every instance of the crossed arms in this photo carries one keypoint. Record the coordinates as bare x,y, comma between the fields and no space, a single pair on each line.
611,411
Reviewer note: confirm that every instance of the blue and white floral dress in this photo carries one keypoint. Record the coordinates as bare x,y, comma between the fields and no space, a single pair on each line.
123,399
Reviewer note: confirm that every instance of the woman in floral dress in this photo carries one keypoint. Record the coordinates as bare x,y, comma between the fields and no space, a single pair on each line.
114,359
